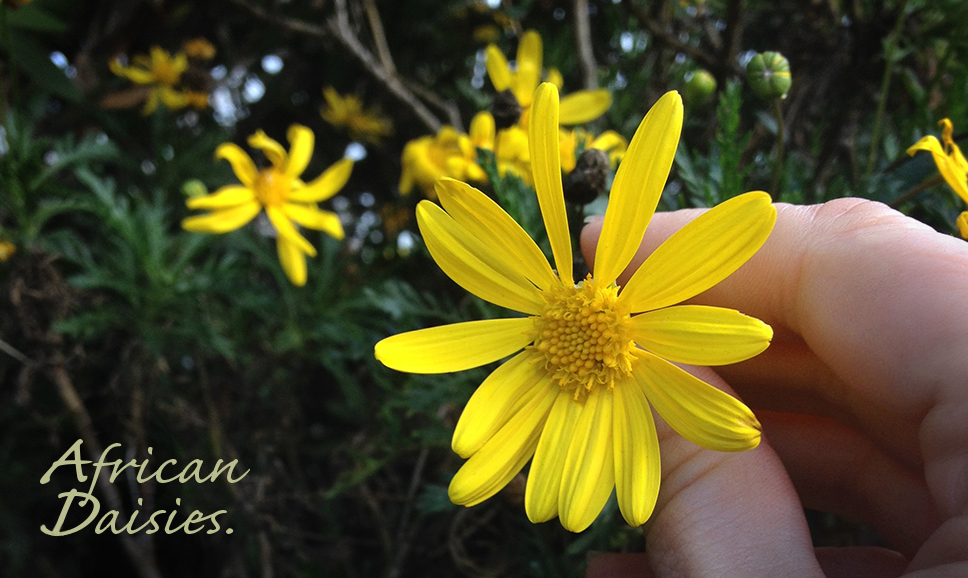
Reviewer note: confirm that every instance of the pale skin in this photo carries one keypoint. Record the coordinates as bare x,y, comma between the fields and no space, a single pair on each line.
863,397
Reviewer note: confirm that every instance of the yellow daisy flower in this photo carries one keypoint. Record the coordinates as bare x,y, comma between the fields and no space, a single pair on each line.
347,112
277,189
951,164
595,355
576,108
161,70
448,154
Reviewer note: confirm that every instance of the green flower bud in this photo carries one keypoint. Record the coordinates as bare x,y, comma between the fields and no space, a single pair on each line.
699,89
194,188
769,75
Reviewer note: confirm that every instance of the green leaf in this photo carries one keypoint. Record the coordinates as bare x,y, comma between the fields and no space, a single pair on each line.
32,17
35,62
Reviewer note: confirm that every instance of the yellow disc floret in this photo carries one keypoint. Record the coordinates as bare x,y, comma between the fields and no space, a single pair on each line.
272,187
583,336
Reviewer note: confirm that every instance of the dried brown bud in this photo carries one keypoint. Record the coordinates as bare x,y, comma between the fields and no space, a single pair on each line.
505,109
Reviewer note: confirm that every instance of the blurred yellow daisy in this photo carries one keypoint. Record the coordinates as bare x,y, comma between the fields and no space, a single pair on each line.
576,108
595,355
951,164
162,71
448,154
277,189
347,112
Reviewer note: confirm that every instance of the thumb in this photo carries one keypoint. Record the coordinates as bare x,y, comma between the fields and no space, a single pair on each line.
720,514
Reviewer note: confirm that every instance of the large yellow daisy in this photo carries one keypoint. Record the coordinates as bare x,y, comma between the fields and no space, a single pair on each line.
951,164
277,189
595,355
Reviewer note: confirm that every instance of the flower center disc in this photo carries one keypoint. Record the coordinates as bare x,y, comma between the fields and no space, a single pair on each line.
582,334
272,187
166,73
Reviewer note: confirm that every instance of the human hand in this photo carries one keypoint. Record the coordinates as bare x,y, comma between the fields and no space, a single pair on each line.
863,397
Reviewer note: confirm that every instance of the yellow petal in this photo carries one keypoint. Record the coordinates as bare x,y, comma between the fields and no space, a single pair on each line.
227,196
698,411
700,335
482,130
584,106
151,103
637,467
242,164
224,220
454,347
554,77
544,479
285,228
953,171
325,185
301,142
528,73
311,217
497,68
504,238
546,168
962,223
503,456
471,265
293,261
637,187
589,474
270,147
612,143
132,73
702,253
503,393
173,99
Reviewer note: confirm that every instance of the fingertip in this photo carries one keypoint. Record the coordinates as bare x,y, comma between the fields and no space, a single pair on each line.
589,237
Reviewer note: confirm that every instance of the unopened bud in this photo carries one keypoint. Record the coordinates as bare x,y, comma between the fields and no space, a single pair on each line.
194,188
769,75
699,89
588,179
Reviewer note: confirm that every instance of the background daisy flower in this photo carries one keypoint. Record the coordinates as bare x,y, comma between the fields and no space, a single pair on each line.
951,164
162,71
287,200
576,108
595,356
448,154
347,112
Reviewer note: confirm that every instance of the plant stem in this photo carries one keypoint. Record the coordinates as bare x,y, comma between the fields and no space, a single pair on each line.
885,84
778,168
915,191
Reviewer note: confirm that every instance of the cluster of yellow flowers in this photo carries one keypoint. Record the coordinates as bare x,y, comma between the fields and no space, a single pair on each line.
173,80
453,154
